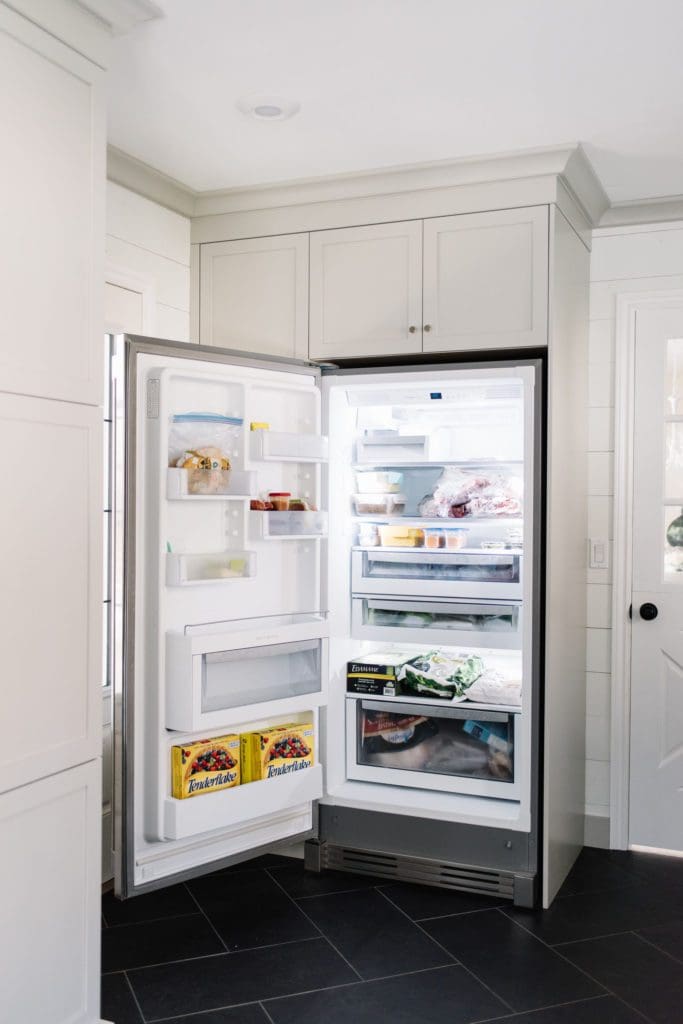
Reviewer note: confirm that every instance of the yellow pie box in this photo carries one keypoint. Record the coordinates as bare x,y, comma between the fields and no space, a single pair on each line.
282,750
401,536
205,766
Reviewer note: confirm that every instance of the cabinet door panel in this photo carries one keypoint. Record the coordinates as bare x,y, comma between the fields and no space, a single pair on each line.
50,893
254,295
50,598
486,280
52,255
366,291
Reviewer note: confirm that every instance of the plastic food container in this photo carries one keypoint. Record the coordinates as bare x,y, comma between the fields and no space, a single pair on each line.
208,481
379,504
401,536
455,538
378,482
368,535
434,538
280,500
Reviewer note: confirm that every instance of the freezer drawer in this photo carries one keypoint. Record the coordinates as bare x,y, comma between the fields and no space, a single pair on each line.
422,572
450,749
489,624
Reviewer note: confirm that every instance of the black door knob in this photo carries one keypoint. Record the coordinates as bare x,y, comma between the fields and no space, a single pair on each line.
649,611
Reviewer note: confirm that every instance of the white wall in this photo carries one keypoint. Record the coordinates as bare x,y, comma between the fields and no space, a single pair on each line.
634,259
148,266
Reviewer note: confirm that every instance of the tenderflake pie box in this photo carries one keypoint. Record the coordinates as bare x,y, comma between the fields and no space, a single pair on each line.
278,751
205,766
376,674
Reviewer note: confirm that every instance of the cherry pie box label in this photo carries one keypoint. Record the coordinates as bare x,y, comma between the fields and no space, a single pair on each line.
275,752
205,766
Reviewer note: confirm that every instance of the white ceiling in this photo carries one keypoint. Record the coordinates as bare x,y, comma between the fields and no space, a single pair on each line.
389,82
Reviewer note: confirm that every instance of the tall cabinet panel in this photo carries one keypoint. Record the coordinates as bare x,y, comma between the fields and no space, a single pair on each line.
254,295
486,280
51,258
366,291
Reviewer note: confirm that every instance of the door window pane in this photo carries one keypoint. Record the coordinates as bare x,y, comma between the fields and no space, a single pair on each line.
673,461
673,544
674,377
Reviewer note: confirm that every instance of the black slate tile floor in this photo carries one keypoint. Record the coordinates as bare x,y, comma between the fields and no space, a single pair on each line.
265,943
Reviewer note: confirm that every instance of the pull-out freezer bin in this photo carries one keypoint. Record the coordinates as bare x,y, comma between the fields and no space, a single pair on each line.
423,572
494,625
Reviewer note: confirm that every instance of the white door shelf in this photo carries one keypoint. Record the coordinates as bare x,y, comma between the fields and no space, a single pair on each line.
233,483
215,567
253,800
220,680
287,525
278,446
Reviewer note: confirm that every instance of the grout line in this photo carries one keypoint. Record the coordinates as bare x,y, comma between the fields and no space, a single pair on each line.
209,1009
169,963
311,921
265,1010
454,959
151,920
591,938
339,892
135,998
459,914
659,949
207,919
580,969
540,1009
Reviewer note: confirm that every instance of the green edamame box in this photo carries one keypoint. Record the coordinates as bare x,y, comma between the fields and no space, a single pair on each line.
376,674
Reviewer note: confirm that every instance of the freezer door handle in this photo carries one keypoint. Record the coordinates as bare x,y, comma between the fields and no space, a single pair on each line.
461,712
454,607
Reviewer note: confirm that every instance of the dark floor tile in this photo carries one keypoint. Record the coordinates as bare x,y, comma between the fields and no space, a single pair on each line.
158,942
668,937
421,901
603,1010
634,971
266,860
234,978
169,902
374,935
300,883
445,996
657,870
249,1014
595,871
117,1002
588,915
249,909
519,968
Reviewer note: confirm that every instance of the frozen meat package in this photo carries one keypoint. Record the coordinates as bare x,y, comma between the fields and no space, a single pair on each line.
459,493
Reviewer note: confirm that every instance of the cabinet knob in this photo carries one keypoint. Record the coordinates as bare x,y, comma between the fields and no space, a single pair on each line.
412,329
427,328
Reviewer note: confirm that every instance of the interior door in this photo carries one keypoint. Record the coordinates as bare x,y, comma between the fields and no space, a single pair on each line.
656,747
206,586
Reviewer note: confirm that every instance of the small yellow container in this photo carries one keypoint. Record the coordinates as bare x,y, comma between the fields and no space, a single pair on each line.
205,766
257,425
278,751
401,536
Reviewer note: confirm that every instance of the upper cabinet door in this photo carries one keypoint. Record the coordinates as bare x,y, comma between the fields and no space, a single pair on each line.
52,215
486,280
366,294
254,295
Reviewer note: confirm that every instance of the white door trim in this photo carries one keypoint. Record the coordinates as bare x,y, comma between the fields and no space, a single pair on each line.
627,306
122,277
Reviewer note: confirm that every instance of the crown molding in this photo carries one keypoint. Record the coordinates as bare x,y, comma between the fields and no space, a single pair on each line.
120,16
139,177
648,211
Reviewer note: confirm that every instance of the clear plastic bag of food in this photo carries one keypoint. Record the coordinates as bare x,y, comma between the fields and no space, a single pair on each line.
436,674
191,431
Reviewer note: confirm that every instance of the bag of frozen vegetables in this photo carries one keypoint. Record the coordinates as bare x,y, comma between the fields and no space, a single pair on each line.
436,674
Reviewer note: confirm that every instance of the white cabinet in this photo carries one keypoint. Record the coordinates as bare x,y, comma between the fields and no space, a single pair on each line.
254,295
52,175
51,594
486,280
50,898
366,291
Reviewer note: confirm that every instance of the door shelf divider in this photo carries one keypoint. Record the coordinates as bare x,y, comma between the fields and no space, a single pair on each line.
241,486
245,803
278,446
187,570
288,525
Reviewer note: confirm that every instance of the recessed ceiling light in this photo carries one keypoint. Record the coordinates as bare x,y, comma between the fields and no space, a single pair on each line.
267,108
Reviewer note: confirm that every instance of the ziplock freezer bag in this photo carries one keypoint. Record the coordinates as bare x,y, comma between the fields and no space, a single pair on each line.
192,430
439,675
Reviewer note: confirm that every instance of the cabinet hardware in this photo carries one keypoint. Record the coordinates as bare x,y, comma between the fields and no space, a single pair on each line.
427,327
412,329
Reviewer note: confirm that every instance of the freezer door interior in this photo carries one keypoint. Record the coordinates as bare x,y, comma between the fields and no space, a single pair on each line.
221,631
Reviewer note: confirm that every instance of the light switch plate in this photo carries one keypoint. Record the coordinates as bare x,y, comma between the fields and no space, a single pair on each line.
598,553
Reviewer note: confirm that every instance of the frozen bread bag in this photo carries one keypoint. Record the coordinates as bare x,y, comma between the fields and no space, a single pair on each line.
492,687
437,674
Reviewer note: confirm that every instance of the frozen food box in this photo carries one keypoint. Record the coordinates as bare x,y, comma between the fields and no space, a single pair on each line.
205,766
277,751
376,674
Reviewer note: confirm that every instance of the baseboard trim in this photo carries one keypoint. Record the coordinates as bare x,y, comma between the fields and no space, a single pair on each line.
596,831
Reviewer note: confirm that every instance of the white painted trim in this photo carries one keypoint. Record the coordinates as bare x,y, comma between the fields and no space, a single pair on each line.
120,16
121,277
146,181
627,308
646,211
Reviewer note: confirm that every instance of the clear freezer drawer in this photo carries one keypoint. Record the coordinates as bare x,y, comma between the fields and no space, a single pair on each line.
422,572
254,675
407,620
451,749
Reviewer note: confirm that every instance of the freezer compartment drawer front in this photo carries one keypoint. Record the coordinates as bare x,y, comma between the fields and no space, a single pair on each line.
494,625
213,681
438,574
238,808
450,750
